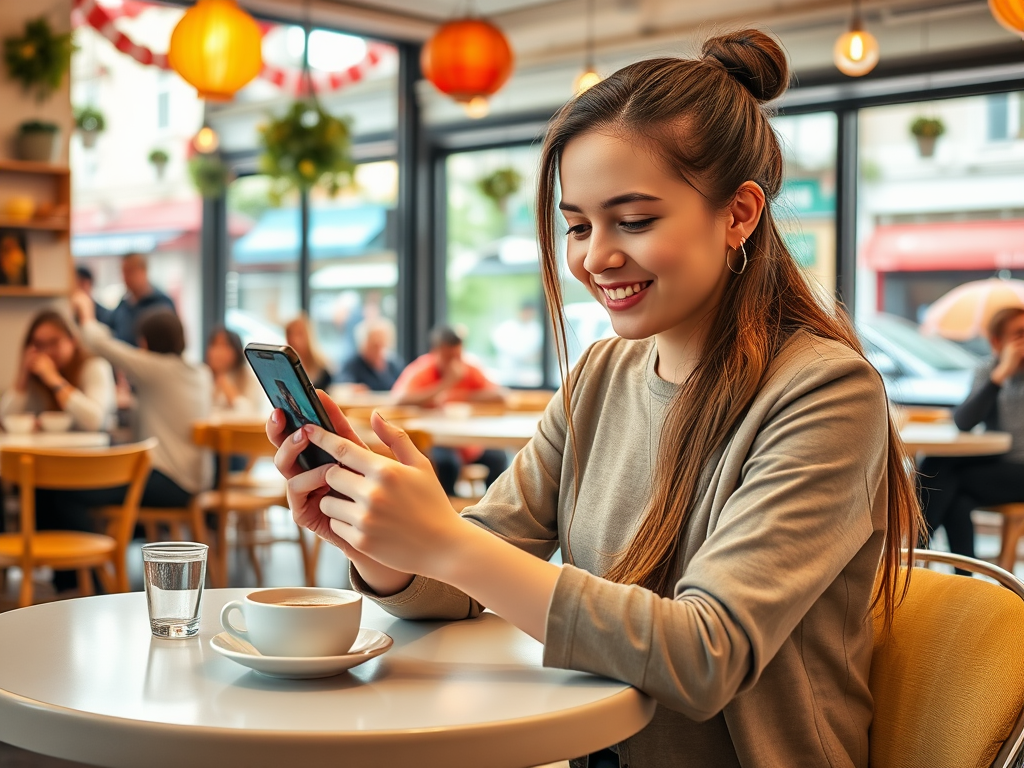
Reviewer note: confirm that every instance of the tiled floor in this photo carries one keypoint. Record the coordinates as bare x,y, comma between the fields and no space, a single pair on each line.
282,567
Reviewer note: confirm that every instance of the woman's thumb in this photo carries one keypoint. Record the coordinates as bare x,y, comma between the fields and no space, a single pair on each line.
397,439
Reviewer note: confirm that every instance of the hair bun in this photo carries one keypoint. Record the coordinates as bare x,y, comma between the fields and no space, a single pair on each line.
754,59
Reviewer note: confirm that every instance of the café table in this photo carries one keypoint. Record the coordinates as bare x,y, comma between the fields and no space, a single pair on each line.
510,431
941,439
55,440
85,680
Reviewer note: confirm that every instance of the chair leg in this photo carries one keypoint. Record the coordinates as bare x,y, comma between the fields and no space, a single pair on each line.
220,553
308,558
112,583
1013,529
85,586
151,531
25,593
247,526
3,580
175,531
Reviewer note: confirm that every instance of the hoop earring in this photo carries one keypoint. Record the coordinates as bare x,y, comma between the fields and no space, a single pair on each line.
742,250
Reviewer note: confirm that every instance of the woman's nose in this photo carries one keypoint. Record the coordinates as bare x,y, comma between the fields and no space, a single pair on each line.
603,253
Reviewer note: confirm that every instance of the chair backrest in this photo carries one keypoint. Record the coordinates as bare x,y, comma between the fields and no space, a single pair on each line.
528,399
79,469
948,678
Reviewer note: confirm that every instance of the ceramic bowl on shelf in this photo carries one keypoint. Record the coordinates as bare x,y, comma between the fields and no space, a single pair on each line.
55,421
19,208
19,423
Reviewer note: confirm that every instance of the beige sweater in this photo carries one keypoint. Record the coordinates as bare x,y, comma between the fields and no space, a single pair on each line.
762,657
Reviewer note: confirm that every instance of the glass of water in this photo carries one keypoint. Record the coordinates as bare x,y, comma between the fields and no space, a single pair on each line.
174,571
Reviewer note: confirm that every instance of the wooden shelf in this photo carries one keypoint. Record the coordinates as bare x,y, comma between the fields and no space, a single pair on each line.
29,292
28,166
50,225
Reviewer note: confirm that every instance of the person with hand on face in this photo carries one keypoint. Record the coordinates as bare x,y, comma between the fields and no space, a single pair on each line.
235,388
140,297
953,487
57,374
727,489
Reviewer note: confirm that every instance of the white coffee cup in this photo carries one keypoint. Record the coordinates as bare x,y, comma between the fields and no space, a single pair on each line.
55,421
297,621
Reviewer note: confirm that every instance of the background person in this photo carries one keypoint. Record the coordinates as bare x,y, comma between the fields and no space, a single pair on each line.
953,487
85,282
235,387
442,376
723,478
374,366
300,337
140,297
57,374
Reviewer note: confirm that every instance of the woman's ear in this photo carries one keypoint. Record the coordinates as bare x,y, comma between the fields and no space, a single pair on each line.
744,213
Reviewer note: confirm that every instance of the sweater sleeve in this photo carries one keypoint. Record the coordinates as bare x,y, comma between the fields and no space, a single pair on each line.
979,405
93,401
800,514
133,361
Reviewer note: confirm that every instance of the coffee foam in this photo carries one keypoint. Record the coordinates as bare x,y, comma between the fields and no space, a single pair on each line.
312,601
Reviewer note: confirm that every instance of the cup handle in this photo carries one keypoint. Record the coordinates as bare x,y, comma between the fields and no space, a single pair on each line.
225,621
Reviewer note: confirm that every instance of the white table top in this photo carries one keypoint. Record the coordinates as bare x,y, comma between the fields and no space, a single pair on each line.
55,440
943,439
84,680
508,431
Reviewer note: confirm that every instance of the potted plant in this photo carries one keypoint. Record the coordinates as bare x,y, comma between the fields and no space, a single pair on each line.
38,59
159,158
305,147
500,186
926,130
90,123
38,141
210,174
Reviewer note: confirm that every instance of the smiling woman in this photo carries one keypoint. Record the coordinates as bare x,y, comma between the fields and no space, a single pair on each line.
722,479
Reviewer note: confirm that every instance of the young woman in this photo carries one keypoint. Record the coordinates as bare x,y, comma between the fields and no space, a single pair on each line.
235,388
955,487
723,480
57,374
299,335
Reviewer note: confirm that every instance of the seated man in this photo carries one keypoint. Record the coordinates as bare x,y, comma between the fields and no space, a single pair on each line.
374,365
442,376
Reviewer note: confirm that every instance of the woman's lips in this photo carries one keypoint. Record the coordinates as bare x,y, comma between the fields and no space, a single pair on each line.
625,296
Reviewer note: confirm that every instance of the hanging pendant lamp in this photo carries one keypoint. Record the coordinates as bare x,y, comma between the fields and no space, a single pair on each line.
469,60
588,78
856,52
1009,13
216,47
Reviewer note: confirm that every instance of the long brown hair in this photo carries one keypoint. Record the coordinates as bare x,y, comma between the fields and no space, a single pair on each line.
706,118
71,372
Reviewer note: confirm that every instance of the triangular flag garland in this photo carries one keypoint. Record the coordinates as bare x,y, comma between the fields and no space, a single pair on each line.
99,18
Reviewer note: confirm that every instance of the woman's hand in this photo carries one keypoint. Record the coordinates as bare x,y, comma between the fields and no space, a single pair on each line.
1010,360
83,307
307,489
45,369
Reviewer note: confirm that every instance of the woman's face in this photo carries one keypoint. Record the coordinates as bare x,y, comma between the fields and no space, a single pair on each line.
53,342
220,355
1013,331
641,240
296,337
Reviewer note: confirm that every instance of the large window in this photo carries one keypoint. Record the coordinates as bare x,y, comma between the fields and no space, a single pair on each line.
934,213
493,272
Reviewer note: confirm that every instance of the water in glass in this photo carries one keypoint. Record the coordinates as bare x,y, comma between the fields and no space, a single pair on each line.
174,578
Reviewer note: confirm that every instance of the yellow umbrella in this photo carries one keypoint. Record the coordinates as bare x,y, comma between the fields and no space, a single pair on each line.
963,313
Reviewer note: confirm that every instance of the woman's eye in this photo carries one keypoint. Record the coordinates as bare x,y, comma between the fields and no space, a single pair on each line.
636,226
577,231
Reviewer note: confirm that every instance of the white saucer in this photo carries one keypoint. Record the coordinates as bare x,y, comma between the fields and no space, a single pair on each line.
369,644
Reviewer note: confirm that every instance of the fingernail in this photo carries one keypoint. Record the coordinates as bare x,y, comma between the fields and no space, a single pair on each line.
308,429
275,417
298,436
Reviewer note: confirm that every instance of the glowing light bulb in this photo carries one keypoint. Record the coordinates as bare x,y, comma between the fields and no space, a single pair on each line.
477,107
856,52
206,141
587,79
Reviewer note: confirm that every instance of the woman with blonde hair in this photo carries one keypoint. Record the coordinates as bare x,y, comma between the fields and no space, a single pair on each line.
723,479
300,337
56,373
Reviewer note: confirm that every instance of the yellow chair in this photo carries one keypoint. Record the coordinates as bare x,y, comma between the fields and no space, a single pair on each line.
1013,529
948,680
84,469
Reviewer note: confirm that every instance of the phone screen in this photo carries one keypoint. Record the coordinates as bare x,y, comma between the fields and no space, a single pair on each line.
288,388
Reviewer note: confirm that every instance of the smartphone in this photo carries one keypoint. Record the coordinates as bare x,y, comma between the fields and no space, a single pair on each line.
285,381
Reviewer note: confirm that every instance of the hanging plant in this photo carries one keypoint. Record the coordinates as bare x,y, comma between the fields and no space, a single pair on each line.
501,185
927,130
159,158
90,123
39,58
306,147
210,174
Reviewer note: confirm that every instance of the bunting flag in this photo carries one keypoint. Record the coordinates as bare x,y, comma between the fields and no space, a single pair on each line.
101,19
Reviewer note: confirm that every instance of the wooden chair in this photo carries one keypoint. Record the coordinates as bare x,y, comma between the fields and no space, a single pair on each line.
528,399
83,469
1013,529
242,499
948,679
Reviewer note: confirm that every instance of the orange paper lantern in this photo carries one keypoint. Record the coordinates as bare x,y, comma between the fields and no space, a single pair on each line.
216,47
1009,13
467,59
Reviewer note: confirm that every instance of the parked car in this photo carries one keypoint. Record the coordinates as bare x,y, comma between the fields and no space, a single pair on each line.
917,369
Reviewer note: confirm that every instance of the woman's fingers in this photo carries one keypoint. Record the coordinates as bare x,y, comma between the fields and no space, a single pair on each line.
338,420
352,486
286,458
352,455
276,427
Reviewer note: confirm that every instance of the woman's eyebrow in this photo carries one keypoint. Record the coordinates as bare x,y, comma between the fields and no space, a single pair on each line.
611,202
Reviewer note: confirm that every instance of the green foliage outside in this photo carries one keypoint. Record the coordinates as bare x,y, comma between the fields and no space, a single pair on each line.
210,175
38,59
89,118
927,127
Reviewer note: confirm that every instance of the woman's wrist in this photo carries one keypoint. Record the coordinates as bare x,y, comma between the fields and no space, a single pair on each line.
455,562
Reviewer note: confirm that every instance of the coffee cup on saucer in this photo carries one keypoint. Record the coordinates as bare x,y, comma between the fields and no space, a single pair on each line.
297,621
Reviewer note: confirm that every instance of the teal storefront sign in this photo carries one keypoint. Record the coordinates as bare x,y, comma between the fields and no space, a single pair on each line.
805,197
803,246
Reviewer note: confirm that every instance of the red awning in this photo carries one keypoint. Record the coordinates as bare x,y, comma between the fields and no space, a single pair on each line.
946,246
172,216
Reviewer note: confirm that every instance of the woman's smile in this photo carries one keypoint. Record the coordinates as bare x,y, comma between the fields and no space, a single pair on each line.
621,296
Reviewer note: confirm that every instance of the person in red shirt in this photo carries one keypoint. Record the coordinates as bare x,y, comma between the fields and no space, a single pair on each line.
443,376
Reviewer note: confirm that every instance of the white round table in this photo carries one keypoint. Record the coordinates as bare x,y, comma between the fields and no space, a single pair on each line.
55,440
84,680
935,439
